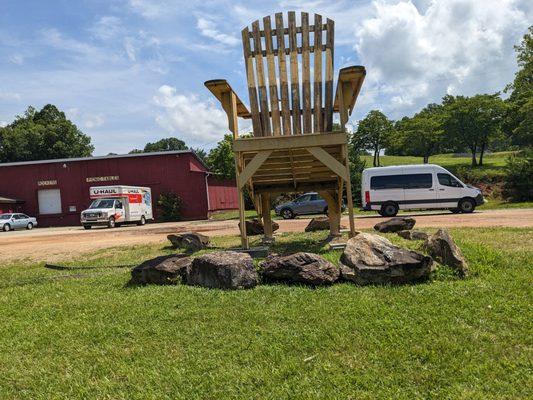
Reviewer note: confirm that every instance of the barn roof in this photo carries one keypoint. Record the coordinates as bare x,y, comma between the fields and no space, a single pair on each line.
58,160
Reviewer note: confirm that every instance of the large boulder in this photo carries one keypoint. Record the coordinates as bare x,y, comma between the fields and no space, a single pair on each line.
223,270
395,225
193,241
163,270
306,268
442,247
255,227
413,235
373,259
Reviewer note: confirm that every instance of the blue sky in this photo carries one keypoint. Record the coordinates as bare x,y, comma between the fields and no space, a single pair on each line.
132,71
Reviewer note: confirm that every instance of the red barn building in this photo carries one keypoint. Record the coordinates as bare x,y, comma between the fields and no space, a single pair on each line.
56,191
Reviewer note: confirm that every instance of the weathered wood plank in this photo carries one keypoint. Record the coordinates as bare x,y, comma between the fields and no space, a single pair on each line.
295,80
272,81
287,142
317,104
306,76
328,103
282,65
348,87
250,77
260,74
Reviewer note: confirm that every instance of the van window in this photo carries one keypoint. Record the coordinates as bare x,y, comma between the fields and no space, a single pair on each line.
448,180
408,181
418,181
386,182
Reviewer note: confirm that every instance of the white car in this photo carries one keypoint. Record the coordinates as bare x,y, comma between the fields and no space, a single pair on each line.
13,221
416,187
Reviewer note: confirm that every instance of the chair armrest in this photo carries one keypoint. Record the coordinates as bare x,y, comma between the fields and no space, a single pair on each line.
220,87
348,87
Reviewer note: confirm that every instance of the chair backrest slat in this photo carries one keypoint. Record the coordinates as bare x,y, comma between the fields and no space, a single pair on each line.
272,82
317,103
260,74
306,76
328,100
308,106
252,90
285,108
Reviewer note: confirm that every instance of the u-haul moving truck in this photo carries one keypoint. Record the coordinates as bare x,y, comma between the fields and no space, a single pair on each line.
115,205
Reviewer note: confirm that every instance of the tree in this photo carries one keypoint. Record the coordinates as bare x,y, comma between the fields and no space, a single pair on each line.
421,135
519,117
202,155
472,122
43,135
374,133
220,160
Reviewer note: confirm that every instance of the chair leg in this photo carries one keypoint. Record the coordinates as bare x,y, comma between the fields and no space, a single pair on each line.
242,220
267,219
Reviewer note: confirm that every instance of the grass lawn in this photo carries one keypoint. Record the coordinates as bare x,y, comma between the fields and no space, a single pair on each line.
86,333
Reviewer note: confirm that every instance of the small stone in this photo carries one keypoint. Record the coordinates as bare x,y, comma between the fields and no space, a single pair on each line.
413,235
318,224
193,241
395,225
255,227
163,270
442,247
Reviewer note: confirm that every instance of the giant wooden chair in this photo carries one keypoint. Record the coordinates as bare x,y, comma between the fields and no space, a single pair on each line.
289,69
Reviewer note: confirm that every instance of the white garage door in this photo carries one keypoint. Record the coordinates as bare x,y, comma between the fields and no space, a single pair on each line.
49,201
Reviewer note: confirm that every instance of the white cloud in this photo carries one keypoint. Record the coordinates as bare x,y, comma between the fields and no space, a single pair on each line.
9,96
93,121
130,49
454,46
208,28
188,116
17,59
107,27
3,123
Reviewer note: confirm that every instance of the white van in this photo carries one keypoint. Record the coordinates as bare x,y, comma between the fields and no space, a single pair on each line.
410,187
114,205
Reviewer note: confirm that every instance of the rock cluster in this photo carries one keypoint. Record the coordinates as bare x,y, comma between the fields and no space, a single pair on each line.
413,235
306,268
255,227
163,270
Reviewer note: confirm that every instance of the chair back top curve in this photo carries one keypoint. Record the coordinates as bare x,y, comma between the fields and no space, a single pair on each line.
289,69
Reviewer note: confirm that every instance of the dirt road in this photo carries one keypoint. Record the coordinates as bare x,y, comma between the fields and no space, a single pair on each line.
53,244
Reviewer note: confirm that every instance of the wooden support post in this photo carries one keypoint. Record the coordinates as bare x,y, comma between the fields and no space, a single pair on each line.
242,220
334,211
349,199
266,217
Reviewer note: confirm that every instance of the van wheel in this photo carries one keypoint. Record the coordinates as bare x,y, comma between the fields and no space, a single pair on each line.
389,209
287,213
29,226
467,206
87,226
7,228
142,221
111,222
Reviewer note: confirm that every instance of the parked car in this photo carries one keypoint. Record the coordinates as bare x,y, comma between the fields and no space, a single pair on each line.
308,203
10,222
410,187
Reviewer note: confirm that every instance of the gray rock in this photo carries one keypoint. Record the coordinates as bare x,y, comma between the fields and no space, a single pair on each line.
193,241
307,268
413,235
318,224
442,247
223,270
163,270
255,227
395,225
373,259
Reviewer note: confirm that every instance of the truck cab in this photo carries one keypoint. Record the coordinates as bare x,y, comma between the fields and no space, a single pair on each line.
103,212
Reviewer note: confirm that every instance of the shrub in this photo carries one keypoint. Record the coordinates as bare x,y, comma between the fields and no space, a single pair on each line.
519,170
169,205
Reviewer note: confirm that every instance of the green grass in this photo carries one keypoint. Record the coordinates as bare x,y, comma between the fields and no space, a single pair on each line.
88,334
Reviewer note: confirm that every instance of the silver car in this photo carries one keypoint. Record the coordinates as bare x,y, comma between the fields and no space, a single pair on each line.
308,203
10,222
